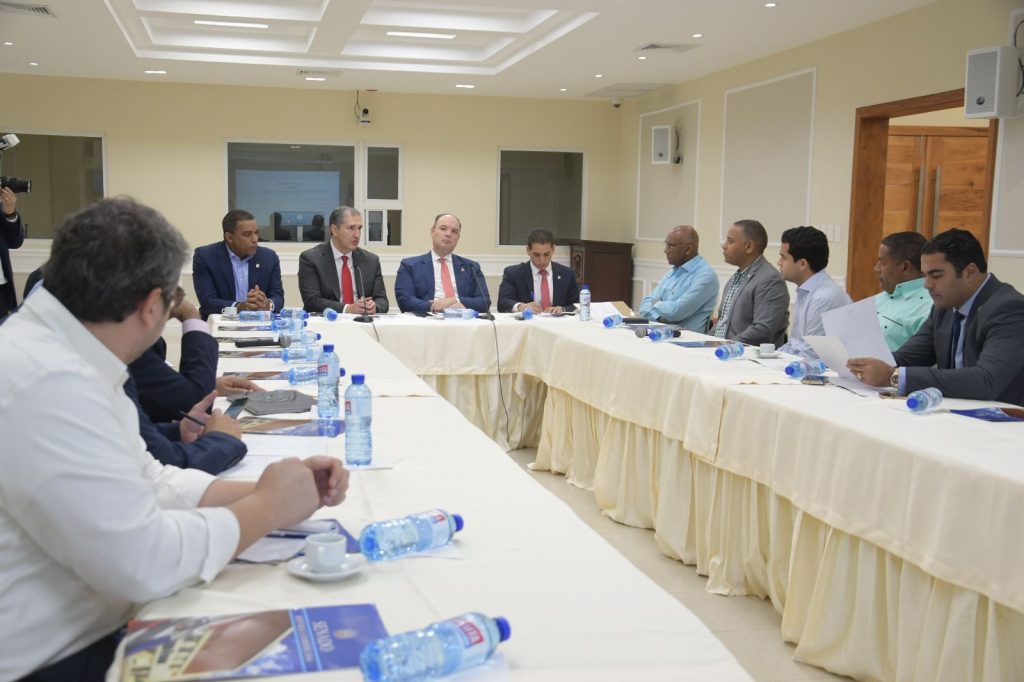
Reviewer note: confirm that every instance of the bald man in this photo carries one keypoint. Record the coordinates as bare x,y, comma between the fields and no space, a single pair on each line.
686,295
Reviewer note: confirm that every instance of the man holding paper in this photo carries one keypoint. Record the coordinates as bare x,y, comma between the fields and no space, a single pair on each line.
969,347
903,304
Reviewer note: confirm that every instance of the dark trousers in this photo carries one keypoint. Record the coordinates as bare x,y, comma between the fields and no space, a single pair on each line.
7,300
88,665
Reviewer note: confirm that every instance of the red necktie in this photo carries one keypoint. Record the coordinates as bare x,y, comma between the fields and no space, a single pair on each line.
545,291
346,282
446,280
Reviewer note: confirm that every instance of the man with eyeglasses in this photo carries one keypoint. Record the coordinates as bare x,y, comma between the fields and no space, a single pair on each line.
686,295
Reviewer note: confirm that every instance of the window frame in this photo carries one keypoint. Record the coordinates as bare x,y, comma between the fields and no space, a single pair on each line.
383,205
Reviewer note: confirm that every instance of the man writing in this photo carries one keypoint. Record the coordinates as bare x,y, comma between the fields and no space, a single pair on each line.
341,275
969,347
90,523
539,284
686,295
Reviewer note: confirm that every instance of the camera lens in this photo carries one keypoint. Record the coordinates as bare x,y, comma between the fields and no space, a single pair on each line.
16,185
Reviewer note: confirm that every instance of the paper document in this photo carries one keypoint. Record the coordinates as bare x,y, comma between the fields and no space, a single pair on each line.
857,325
833,351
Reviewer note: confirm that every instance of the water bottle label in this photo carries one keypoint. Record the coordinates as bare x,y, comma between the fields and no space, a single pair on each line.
322,369
440,531
475,648
348,408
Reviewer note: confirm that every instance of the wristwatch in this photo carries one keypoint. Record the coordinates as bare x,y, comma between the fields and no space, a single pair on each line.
894,379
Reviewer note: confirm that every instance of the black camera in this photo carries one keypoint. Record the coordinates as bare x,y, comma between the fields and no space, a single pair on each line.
16,185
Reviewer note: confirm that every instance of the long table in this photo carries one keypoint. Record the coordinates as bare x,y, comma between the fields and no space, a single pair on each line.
883,538
578,609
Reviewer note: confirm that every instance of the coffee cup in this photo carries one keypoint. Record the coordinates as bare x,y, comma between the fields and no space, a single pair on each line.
766,349
326,552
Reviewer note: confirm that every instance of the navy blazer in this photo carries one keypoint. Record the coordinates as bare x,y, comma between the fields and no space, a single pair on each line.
214,279
12,236
164,392
517,287
212,453
414,284
993,362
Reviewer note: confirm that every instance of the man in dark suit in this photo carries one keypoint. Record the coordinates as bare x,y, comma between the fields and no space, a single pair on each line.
440,279
755,301
969,347
538,284
11,237
339,274
237,271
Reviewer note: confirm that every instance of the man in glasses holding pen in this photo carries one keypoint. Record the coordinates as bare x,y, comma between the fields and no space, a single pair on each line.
903,304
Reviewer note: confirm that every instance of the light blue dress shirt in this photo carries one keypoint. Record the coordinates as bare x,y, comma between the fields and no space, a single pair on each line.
240,268
816,296
685,296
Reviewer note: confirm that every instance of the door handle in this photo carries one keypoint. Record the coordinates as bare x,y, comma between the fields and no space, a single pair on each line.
919,210
935,200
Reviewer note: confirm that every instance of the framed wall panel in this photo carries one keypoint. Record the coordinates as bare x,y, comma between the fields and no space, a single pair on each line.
667,194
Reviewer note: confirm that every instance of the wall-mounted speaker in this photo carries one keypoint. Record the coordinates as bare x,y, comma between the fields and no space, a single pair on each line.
664,145
993,81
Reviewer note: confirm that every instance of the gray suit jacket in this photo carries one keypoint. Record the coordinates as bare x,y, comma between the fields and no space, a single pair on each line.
760,311
319,285
993,359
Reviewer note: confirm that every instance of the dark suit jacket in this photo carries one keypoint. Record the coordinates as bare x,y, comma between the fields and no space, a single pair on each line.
319,284
212,453
214,280
517,286
12,236
162,391
993,358
414,285
760,310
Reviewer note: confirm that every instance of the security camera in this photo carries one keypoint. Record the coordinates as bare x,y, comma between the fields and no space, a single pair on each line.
616,102
364,117
7,141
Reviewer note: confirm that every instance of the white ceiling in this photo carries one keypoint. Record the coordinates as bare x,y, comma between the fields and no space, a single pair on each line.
526,48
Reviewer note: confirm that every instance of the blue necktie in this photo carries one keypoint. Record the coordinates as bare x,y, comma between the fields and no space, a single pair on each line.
958,318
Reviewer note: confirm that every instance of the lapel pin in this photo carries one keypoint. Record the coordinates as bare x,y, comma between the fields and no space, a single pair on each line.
257,266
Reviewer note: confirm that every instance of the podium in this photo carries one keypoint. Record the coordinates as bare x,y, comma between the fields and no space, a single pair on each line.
607,267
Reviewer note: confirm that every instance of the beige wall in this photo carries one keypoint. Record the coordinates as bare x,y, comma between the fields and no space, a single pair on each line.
916,53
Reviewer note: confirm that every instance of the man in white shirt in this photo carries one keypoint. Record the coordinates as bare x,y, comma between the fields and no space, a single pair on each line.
803,257
440,279
90,523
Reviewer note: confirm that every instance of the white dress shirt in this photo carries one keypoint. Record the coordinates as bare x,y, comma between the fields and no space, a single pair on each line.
351,272
438,286
90,523
818,295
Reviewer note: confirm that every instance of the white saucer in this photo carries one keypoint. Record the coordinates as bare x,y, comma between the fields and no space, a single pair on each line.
353,564
768,356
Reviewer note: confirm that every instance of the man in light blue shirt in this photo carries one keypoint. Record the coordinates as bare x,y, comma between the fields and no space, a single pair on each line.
903,304
803,257
686,295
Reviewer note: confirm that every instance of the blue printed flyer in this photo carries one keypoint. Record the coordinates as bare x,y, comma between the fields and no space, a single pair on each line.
330,428
241,646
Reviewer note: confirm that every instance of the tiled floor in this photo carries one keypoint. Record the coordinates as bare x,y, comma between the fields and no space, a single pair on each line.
748,626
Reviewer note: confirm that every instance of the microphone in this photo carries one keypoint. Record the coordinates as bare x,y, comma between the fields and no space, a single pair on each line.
359,281
486,315
283,341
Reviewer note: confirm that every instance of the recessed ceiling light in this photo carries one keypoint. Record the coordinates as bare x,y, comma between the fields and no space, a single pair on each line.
697,35
316,79
155,72
641,58
598,75
8,43
465,86
769,4
296,146
563,89
417,34
33,63
229,24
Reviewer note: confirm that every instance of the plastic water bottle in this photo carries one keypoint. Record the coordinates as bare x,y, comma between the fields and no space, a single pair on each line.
330,314
585,303
662,334
294,312
327,378
437,650
293,325
925,400
612,321
798,369
306,375
298,354
255,316
303,338
358,417
729,351
527,314
414,533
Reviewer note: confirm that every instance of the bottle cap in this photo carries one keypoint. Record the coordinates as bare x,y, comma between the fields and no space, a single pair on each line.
504,629
913,403
328,347
341,372
358,379
586,286
791,368
459,523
